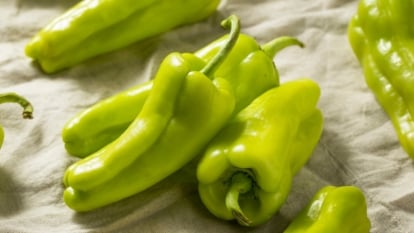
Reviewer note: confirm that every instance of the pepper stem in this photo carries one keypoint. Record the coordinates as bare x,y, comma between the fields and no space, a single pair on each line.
272,47
232,23
240,183
15,98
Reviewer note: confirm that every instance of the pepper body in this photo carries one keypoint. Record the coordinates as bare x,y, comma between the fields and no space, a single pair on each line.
100,124
333,209
162,138
381,36
94,27
202,105
246,171
23,102
249,68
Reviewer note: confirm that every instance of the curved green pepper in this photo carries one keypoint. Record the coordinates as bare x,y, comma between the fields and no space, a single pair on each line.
333,209
15,98
103,122
249,68
185,96
381,36
94,27
246,171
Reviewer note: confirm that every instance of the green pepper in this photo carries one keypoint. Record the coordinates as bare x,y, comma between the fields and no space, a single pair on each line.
381,36
333,209
103,122
15,98
94,27
249,68
246,171
185,96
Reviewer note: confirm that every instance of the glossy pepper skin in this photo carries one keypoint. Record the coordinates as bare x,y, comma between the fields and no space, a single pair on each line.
94,27
249,68
381,36
246,171
333,209
185,109
23,102
95,127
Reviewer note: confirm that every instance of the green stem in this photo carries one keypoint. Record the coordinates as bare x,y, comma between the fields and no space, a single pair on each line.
15,98
240,183
232,23
272,47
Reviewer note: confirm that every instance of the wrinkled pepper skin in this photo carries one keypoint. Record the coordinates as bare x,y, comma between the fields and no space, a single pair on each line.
185,96
23,102
381,36
249,68
94,27
246,171
333,209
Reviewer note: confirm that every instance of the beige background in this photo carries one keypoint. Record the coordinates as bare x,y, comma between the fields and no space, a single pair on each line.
358,145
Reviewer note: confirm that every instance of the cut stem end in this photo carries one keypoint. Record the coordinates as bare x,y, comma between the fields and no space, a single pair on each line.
240,184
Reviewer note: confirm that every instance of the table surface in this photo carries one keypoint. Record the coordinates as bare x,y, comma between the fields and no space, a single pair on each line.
358,146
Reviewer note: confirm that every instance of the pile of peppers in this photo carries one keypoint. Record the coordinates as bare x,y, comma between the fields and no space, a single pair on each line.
204,91
223,102
23,102
94,27
381,35
185,95
248,67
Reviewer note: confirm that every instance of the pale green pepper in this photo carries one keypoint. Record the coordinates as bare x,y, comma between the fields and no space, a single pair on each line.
94,27
340,209
381,35
246,171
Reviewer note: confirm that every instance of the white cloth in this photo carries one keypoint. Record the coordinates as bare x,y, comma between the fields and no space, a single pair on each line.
358,146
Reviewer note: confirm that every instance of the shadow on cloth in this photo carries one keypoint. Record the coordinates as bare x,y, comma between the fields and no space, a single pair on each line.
172,204
10,197
64,4
331,159
136,209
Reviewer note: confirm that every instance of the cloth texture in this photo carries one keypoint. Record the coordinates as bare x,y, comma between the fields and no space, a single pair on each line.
358,146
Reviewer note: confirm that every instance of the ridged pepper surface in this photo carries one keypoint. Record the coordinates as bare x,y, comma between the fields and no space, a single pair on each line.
381,34
246,171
